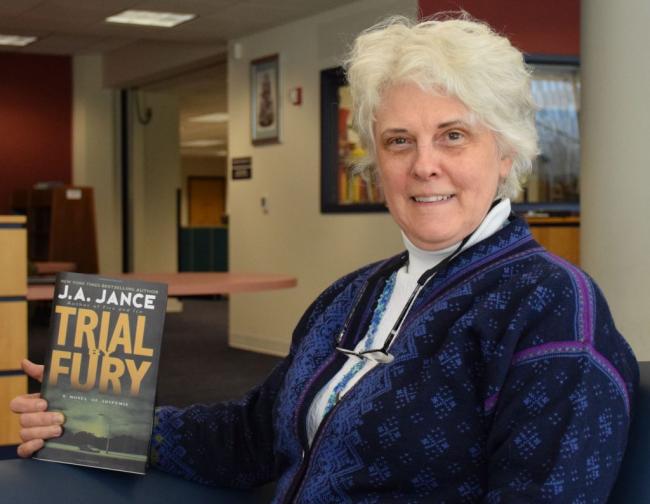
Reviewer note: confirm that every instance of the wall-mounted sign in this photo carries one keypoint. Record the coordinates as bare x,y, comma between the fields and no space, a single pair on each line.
242,168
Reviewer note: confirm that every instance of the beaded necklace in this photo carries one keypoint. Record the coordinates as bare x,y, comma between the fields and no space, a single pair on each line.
377,315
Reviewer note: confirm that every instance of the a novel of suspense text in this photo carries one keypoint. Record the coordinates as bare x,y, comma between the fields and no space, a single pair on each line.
101,370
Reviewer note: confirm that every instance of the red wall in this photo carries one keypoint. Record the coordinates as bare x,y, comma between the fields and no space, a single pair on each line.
35,121
550,27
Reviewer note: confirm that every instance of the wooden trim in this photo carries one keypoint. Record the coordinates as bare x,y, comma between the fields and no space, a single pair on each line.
193,283
13,219
13,334
10,387
553,221
13,320
13,262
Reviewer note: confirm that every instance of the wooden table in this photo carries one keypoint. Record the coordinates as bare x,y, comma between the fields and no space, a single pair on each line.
51,268
192,284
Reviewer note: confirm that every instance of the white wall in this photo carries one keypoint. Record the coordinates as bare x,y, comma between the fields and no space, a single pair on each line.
615,173
155,170
294,237
156,176
95,155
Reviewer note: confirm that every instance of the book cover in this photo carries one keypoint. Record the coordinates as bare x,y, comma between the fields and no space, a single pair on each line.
101,370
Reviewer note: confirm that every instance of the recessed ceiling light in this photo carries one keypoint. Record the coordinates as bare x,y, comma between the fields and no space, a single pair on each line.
150,18
202,143
218,117
16,40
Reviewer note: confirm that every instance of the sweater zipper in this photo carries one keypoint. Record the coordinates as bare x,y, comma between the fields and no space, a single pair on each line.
296,485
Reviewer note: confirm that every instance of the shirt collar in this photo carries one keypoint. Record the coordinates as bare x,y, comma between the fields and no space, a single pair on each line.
421,260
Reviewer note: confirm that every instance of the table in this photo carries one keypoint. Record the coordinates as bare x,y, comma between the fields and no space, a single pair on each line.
51,268
33,481
192,283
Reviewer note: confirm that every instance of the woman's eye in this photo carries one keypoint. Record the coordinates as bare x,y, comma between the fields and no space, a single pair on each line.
397,141
454,136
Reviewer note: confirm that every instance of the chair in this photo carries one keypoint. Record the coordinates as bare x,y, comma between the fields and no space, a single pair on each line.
633,484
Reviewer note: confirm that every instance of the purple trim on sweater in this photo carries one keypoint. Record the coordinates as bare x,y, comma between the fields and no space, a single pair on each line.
585,298
449,284
490,257
549,348
576,348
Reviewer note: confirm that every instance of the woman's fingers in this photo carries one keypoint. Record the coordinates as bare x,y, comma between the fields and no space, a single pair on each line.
33,370
28,403
27,449
41,419
37,423
47,432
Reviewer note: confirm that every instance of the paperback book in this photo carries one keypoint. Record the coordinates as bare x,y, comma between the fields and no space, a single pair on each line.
101,370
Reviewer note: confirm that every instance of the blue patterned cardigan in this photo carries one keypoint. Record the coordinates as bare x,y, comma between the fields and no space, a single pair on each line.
510,384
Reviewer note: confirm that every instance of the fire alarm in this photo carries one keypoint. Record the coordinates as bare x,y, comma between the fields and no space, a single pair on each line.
295,96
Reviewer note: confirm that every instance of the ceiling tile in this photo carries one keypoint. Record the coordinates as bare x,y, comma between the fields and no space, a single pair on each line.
14,7
59,44
198,7
217,21
101,45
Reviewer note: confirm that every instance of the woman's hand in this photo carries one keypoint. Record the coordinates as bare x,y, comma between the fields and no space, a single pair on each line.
37,423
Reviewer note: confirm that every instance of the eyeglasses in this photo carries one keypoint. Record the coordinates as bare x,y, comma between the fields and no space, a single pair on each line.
381,355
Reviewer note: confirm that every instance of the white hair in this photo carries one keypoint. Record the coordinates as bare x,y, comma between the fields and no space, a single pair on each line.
457,57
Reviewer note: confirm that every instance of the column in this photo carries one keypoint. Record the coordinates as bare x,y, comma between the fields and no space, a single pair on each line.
615,170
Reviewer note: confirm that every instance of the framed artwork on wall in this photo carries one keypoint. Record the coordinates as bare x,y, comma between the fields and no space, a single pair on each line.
265,100
344,189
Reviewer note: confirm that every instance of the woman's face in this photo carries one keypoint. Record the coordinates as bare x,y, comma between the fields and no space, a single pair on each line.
438,166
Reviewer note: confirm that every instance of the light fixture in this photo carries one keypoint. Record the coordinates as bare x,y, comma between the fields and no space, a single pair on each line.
16,40
218,117
203,143
150,18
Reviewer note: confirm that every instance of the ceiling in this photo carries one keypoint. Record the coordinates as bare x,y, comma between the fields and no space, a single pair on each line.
69,27
78,26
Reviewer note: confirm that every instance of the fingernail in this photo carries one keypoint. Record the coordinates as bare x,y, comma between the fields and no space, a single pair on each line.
58,418
41,404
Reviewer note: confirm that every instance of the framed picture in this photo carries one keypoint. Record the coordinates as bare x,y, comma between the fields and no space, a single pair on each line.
265,100
343,188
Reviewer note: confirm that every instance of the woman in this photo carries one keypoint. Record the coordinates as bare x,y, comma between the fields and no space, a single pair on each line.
473,367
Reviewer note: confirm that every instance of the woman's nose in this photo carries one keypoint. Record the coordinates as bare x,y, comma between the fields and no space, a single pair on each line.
426,163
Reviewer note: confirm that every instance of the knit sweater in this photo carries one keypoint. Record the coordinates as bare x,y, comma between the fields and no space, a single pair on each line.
510,384
398,294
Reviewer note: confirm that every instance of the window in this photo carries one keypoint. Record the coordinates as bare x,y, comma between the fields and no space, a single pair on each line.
554,184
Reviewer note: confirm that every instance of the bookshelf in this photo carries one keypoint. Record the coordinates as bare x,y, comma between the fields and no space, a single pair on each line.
60,225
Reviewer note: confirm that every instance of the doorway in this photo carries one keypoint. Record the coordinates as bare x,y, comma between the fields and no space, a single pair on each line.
202,125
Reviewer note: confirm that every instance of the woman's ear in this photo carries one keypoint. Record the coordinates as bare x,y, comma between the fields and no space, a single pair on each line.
505,165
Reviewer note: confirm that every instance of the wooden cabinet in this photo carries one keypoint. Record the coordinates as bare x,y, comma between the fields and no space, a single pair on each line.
13,320
60,225
560,235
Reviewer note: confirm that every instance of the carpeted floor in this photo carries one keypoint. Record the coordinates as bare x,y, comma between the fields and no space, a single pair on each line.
196,364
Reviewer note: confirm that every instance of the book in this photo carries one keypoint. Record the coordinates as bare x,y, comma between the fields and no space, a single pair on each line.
101,370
